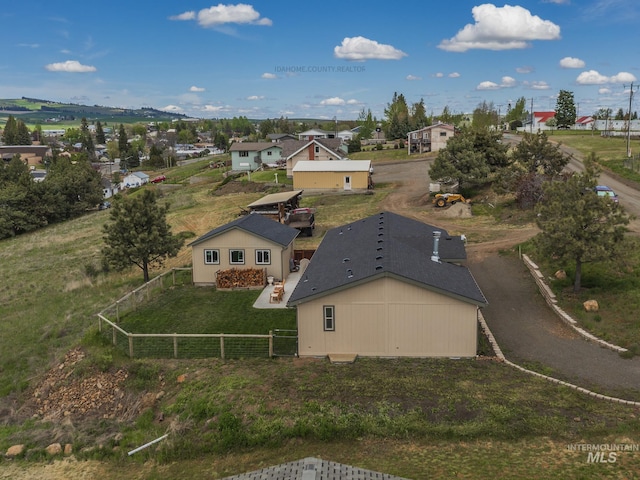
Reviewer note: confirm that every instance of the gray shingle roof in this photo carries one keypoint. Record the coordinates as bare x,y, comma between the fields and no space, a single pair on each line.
258,225
313,469
387,244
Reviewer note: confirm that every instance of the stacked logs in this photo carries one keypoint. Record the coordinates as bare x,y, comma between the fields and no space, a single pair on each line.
241,278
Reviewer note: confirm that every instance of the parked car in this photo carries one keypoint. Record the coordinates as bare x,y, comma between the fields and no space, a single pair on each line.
159,179
104,205
604,191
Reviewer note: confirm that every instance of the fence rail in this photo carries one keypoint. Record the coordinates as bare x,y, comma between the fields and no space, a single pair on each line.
186,345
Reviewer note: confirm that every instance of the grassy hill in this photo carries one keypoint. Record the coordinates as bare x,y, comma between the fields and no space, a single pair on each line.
36,111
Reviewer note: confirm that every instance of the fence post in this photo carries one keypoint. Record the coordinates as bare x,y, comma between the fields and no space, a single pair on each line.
175,345
173,276
130,346
270,343
114,336
222,346
118,311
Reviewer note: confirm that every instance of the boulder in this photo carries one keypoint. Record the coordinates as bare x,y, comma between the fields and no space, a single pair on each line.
561,274
15,450
591,306
54,449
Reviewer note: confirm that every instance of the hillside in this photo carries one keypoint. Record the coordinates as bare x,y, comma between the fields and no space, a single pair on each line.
33,110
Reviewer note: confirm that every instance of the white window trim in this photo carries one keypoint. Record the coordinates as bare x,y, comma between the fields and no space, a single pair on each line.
331,318
231,262
217,253
263,250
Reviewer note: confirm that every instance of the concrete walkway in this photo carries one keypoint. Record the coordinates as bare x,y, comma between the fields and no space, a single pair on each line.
289,284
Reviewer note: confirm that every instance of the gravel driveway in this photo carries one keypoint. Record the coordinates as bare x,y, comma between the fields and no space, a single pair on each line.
527,330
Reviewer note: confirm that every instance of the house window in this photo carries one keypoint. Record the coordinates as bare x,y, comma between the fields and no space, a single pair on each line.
263,257
243,154
329,318
443,134
269,153
317,149
236,257
211,257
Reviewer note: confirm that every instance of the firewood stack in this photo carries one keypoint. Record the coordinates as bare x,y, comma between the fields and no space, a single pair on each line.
241,278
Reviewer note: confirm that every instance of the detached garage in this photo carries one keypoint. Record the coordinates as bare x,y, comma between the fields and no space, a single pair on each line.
332,175
388,286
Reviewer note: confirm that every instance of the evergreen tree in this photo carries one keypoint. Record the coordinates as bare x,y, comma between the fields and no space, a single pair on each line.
577,225
565,109
10,132
138,234
367,124
24,136
87,140
397,118
419,116
123,147
459,162
100,136
77,183
536,154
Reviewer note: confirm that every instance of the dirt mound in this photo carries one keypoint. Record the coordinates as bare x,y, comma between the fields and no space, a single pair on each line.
457,210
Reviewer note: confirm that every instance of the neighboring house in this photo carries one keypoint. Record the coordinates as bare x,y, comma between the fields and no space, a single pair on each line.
312,150
388,286
333,175
134,179
249,156
31,155
346,135
538,122
429,139
584,123
250,241
281,137
109,189
315,133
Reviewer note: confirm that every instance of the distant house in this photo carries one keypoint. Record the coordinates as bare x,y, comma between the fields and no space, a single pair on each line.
281,137
249,156
429,139
31,155
109,189
344,175
134,179
388,286
584,123
250,241
38,175
312,150
315,133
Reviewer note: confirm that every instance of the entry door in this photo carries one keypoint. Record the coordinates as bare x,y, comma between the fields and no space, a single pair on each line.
347,182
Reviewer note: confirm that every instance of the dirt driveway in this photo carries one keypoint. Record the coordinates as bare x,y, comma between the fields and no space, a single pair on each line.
526,329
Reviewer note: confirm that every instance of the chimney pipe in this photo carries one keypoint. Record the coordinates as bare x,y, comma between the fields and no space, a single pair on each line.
435,256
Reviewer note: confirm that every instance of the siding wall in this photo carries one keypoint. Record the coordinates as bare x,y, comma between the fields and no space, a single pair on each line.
329,180
233,240
389,318
308,155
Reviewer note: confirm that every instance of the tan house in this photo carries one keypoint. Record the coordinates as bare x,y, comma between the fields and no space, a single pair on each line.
250,241
388,286
429,139
317,149
344,175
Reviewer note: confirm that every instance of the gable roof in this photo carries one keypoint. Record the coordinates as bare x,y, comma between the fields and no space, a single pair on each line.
258,225
312,468
140,175
387,245
543,117
331,145
584,120
445,126
252,146
276,198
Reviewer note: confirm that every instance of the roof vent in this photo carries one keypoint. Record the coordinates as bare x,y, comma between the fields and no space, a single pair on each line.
346,259
349,273
435,256
379,257
379,267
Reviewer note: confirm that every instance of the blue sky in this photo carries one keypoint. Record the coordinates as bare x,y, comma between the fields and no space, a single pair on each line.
266,59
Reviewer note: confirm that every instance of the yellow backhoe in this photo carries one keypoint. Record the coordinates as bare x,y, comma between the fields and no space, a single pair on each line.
442,199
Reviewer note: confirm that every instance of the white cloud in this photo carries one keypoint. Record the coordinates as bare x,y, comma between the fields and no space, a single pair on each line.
172,108
413,77
29,45
539,85
524,70
571,62
255,97
196,89
72,66
332,101
360,48
454,75
438,75
505,82
604,91
623,77
593,77
501,28
269,76
352,101
486,85
214,108
224,14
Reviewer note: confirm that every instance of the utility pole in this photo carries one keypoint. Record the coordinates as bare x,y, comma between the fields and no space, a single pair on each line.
531,124
629,122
